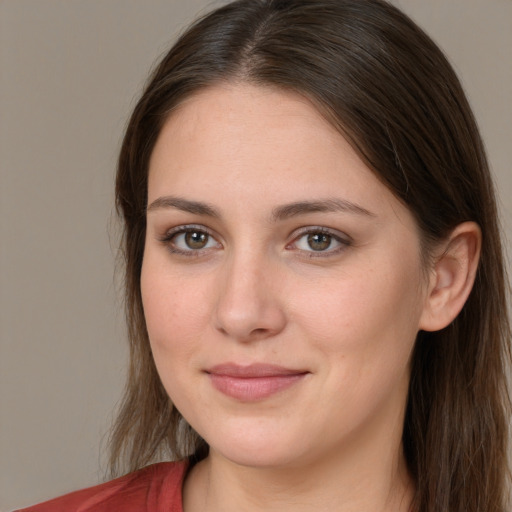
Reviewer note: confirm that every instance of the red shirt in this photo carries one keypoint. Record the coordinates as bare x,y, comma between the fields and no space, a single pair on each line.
155,488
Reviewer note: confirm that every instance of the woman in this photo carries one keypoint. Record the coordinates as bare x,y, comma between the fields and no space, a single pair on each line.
315,285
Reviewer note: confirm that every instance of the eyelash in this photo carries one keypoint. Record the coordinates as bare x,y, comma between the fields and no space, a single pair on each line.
343,241
167,240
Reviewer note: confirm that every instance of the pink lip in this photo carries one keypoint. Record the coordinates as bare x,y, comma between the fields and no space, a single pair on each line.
253,382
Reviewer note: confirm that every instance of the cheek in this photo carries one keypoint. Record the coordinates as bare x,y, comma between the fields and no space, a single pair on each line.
175,310
371,314
177,320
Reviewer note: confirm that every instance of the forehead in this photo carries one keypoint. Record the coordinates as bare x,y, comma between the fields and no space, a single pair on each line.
246,143
220,114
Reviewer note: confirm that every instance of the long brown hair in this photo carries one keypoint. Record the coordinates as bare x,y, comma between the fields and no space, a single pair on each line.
387,87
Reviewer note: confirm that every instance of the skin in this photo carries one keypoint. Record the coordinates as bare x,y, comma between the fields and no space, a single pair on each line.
346,315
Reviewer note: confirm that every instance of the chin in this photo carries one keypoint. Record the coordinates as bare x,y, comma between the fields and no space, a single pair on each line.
257,457
254,448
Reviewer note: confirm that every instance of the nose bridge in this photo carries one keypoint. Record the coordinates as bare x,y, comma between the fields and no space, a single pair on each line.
248,304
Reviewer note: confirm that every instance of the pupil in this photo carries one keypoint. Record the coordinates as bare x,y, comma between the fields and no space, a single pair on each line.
319,241
196,240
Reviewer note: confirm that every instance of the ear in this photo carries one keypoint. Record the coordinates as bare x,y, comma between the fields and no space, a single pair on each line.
452,276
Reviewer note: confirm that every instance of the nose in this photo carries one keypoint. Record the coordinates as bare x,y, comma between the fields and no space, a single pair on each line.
249,305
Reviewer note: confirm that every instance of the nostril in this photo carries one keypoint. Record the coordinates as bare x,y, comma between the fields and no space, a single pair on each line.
247,307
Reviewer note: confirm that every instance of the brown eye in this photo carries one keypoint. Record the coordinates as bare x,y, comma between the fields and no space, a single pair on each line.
196,239
190,241
319,241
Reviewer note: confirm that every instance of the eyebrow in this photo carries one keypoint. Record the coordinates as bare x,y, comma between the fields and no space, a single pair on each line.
325,205
279,213
185,205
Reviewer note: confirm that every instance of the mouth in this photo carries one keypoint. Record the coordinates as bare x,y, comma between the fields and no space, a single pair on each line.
253,382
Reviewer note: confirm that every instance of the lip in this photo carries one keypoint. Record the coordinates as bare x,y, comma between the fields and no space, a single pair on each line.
254,382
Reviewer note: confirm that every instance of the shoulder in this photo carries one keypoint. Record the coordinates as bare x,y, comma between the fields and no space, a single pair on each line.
152,489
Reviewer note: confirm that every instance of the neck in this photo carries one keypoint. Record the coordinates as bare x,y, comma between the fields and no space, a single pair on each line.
358,482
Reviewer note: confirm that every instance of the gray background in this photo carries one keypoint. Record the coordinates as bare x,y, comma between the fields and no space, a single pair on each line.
70,71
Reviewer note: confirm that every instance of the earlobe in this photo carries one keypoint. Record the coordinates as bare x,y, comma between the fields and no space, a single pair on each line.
452,277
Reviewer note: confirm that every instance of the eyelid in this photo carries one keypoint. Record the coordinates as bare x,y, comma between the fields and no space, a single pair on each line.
344,239
184,227
169,234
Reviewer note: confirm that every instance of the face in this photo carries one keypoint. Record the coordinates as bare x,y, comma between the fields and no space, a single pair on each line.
282,281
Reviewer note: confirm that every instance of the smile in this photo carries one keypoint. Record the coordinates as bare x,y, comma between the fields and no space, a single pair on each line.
254,382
